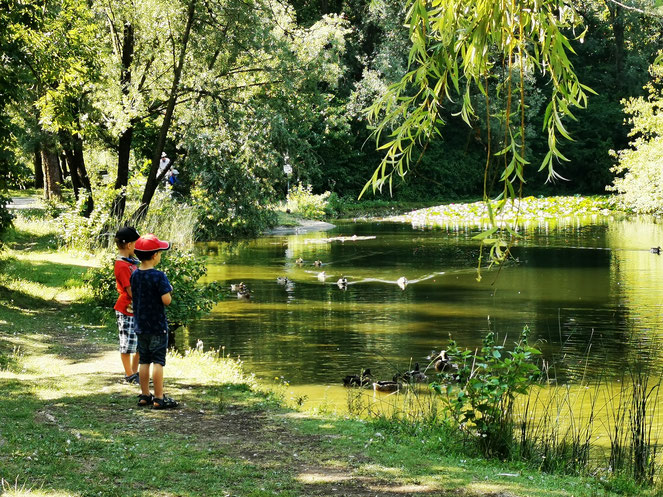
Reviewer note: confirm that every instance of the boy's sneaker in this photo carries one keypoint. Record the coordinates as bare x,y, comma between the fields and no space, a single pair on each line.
133,379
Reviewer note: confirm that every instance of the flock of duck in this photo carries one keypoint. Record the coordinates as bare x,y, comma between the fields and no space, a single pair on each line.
439,362
244,293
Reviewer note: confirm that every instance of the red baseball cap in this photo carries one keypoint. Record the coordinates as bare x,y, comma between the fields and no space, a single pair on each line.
150,243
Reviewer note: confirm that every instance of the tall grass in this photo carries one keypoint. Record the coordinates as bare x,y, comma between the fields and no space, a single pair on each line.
604,426
168,219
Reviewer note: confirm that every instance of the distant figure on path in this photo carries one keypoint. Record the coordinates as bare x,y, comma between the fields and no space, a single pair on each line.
164,164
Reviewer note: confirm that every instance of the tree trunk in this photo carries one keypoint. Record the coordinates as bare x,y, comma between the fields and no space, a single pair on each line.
617,22
51,167
79,160
75,182
65,142
152,179
39,171
124,144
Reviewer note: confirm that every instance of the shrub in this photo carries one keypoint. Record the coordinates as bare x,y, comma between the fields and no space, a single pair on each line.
191,298
488,381
302,201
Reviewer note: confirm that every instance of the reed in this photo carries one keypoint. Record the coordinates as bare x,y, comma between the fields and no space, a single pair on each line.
558,428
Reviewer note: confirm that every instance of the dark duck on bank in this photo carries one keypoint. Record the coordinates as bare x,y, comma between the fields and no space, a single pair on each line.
358,380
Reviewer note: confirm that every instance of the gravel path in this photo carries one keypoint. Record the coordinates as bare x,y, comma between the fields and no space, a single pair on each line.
18,203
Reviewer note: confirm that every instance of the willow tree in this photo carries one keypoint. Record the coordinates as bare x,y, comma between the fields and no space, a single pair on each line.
460,50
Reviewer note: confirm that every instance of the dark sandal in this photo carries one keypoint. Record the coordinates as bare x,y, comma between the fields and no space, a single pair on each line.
145,400
165,403
133,379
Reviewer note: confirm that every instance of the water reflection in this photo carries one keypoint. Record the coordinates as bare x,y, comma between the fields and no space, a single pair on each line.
588,290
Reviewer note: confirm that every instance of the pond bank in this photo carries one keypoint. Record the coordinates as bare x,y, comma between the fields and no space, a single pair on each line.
304,226
69,426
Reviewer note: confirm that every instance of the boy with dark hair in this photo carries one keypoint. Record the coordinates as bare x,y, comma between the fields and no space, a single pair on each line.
151,293
125,264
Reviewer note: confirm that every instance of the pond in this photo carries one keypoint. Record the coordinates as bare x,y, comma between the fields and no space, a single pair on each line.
589,290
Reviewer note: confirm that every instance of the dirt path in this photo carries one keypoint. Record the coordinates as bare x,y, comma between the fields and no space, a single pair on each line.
18,203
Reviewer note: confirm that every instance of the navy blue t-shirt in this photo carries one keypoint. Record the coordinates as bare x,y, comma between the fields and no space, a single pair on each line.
147,287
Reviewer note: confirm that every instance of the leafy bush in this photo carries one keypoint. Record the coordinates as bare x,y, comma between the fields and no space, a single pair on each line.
191,298
302,201
488,382
638,176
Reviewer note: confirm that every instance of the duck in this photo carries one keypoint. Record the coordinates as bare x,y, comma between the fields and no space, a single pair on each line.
415,376
441,363
299,260
655,250
282,280
243,292
235,287
322,276
402,282
342,283
387,386
317,263
355,380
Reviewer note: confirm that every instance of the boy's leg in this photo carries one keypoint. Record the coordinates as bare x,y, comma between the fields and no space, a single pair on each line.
128,343
157,380
160,346
144,378
126,363
134,362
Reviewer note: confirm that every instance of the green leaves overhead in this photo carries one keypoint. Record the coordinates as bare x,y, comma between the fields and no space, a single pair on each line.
470,53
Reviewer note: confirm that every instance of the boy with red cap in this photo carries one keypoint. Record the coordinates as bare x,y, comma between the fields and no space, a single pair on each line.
151,293
125,264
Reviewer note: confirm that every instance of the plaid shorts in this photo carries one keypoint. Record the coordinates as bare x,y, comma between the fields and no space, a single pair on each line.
128,338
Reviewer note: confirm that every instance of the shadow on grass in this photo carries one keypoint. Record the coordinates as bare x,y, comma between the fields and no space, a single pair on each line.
17,301
50,274
24,240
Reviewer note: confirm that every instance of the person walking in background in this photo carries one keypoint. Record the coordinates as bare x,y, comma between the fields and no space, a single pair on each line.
151,293
125,264
164,165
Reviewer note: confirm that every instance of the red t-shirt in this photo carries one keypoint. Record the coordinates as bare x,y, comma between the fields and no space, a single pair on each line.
123,270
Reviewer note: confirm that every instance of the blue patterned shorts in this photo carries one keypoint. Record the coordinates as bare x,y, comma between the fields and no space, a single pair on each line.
128,337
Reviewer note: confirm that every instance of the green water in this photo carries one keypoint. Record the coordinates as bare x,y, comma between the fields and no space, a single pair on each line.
588,289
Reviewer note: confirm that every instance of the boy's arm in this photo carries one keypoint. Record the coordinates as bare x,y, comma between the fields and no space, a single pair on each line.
166,288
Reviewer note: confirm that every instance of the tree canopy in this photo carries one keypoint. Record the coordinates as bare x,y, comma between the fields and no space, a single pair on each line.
488,99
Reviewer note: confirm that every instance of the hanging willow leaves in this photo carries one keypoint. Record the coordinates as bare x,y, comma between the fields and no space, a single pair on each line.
458,48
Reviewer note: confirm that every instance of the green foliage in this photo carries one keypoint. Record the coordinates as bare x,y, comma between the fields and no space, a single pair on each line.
639,175
452,52
522,211
484,57
230,203
191,298
488,381
303,202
